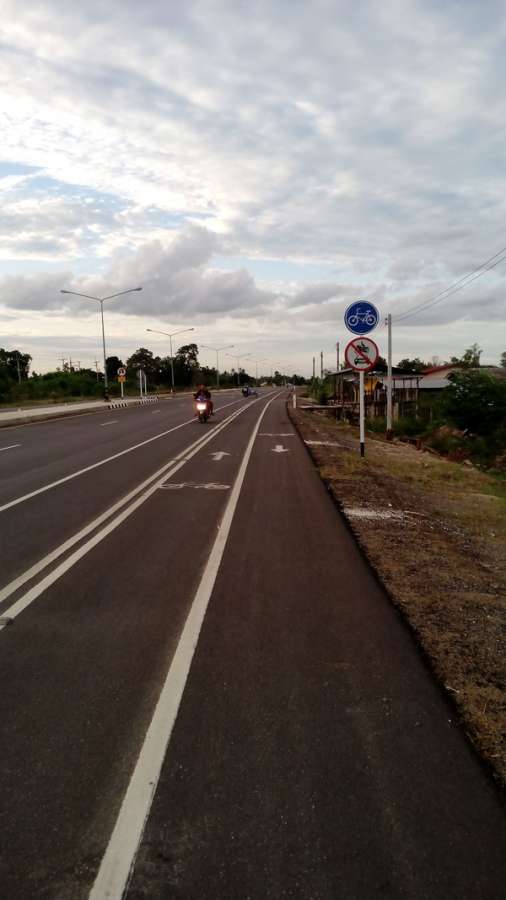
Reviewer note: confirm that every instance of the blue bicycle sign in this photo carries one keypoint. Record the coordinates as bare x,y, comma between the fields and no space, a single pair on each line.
361,317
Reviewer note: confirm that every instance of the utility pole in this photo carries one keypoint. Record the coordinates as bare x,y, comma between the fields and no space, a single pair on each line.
96,367
337,355
390,432
321,365
314,367
17,364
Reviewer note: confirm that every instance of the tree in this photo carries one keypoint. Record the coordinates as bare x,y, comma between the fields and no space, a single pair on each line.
113,363
14,364
186,364
412,365
475,401
503,360
470,359
144,359
188,356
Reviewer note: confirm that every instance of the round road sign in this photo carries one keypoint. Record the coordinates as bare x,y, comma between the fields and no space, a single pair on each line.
361,317
121,371
361,354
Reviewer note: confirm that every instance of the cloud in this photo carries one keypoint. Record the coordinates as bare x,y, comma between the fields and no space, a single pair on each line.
176,279
363,140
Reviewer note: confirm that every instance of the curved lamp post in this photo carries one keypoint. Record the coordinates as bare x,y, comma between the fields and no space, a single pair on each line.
170,336
237,358
217,350
102,300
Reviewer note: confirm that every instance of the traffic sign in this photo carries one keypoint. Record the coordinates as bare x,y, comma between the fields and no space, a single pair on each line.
121,371
121,379
361,354
361,317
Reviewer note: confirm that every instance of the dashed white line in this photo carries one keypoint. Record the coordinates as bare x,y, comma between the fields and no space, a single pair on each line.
10,447
102,462
105,424
169,469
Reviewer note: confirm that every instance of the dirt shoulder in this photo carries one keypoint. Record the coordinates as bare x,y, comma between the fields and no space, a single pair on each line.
435,532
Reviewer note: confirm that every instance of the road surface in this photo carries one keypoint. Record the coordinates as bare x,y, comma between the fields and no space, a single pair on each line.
205,692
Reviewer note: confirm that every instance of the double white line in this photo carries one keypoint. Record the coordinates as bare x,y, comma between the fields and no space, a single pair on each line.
145,490
117,864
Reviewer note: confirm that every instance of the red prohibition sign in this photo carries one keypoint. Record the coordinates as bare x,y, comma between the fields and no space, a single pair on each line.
361,354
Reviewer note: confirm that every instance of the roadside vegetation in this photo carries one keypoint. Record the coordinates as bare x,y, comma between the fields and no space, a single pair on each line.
435,532
19,386
465,421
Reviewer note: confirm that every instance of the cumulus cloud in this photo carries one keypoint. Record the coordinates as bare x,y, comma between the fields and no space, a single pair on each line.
176,279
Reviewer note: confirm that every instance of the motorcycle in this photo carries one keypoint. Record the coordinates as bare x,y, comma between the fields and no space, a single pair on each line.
203,410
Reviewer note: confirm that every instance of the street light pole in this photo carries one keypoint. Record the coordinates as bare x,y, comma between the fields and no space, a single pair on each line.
170,336
217,350
102,300
237,358
256,368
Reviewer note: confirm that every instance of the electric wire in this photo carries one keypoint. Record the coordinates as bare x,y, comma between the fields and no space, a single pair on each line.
458,285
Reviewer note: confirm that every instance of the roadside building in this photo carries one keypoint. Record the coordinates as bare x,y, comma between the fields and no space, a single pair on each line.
345,395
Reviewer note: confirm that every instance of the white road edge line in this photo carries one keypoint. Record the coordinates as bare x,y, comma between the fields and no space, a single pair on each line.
101,462
105,424
10,447
117,864
158,478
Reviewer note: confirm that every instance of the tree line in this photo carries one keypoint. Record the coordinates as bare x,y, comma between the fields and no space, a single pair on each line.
17,384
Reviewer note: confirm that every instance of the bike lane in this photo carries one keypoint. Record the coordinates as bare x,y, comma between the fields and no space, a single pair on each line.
81,669
313,756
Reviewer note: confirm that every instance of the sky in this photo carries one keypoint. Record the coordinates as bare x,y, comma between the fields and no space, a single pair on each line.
255,167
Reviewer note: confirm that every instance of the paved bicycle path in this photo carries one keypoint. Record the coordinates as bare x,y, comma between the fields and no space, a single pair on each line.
314,757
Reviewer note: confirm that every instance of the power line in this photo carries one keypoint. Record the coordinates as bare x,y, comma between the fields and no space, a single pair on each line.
456,286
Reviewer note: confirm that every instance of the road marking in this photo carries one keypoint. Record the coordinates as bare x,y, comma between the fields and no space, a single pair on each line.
212,486
278,434
159,477
219,455
279,449
102,462
323,444
117,864
105,424
10,447
155,412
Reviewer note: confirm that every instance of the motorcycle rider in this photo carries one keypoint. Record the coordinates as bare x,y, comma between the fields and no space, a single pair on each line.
203,393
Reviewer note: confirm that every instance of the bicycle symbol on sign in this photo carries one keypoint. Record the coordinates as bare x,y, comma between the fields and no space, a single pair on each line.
362,318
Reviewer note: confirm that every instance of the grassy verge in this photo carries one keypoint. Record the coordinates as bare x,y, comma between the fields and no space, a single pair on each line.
435,531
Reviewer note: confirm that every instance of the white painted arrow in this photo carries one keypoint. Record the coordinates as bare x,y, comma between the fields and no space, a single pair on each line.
280,449
219,455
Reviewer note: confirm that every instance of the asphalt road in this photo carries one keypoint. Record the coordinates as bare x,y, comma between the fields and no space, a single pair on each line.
205,693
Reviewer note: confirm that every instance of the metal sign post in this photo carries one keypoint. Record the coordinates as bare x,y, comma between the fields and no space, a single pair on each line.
361,354
362,413
121,379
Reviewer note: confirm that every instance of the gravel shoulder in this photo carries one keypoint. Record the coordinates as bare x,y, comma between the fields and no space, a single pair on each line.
435,533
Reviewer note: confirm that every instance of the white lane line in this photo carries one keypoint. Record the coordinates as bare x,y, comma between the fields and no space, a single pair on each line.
101,462
117,865
10,447
158,478
155,412
105,424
